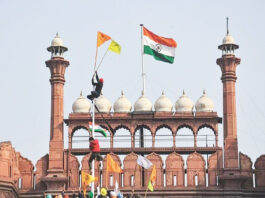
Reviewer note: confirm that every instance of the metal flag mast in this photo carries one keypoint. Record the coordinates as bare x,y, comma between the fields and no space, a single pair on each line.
93,127
142,52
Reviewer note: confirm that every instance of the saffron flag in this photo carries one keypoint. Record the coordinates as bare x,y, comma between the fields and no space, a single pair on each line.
115,47
144,162
97,129
153,175
162,49
102,38
152,179
86,179
112,166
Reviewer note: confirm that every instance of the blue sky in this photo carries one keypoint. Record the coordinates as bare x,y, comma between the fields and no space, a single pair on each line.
27,28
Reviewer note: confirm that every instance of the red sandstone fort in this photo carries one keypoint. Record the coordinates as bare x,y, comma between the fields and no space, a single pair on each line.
224,173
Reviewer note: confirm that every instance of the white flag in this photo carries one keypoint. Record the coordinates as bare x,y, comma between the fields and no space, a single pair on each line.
144,162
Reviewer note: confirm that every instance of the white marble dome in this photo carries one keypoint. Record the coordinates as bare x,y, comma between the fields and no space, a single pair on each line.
184,104
228,39
142,104
57,41
122,104
204,104
81,105
163,104
103,104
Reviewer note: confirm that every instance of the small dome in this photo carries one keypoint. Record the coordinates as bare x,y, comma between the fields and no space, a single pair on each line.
184,104
103,104
142,104
228,39
163,104
81,105
204,104
57,41
122,104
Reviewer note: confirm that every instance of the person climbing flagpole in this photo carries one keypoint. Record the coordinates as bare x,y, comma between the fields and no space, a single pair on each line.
101,38
97,87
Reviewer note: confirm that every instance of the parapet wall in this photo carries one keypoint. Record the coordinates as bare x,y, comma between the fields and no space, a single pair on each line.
17,173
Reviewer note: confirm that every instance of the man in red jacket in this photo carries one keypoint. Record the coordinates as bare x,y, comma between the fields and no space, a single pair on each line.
95,149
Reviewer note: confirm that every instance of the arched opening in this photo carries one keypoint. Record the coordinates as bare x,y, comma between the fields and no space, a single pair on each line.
196,180
163,137
184,137
19,183
175,181
111,180
142,137
132,180
122,138
206,137
80,138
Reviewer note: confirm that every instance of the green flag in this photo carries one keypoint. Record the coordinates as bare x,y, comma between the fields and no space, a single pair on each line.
150,186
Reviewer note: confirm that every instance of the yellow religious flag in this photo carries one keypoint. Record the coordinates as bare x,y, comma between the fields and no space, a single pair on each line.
115,47
102,38
112,166
86,179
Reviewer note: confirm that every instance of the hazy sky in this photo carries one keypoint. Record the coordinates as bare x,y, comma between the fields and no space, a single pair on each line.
27,28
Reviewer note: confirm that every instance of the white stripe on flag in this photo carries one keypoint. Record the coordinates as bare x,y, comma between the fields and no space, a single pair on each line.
160,48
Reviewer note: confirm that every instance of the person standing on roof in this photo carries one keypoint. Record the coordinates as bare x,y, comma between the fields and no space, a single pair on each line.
99,85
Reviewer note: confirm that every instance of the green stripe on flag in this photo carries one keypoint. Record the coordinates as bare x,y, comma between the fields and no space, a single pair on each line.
158,56
102,132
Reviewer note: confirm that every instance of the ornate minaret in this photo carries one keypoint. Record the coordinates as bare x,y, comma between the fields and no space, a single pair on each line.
228,64
57,65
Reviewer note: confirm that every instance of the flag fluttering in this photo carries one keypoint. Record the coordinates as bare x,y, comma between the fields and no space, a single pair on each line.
153,174
152,179
86,179
162,49
97,129
112,166
144,162
115,47
150,186
102,38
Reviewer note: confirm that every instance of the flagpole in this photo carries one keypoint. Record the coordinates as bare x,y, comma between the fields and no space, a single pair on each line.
142,53
134,179
102,60
146,191
96,58
93,128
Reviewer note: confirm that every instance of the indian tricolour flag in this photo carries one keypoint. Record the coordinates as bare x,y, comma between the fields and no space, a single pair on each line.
162,49
97,129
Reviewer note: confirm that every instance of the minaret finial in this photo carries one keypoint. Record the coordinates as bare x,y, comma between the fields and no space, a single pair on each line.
227,30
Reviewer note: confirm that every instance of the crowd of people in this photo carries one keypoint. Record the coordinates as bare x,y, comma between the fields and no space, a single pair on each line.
104,193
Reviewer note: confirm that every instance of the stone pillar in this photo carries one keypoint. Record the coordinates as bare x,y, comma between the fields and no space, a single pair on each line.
56,178
57,68
228,64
